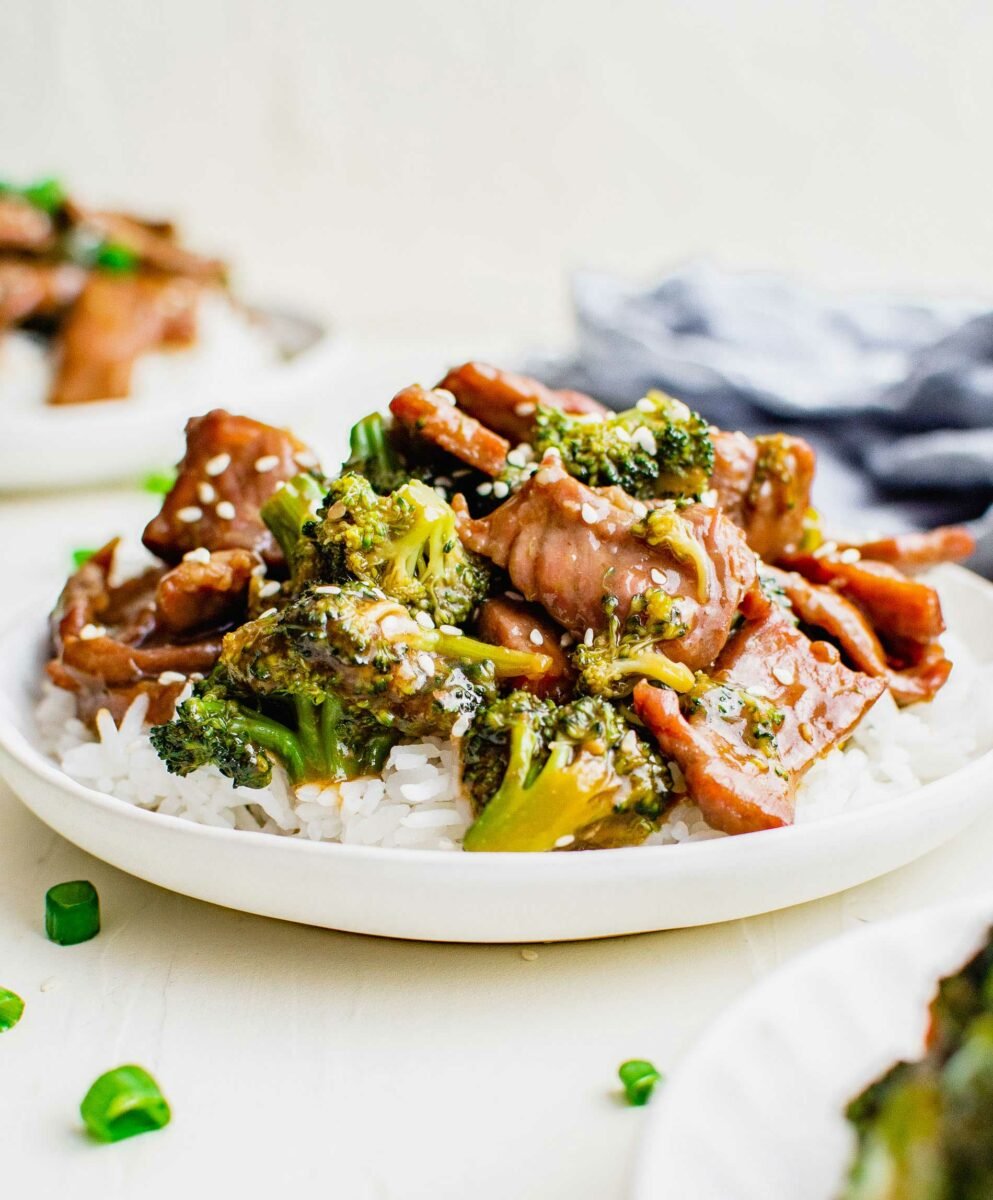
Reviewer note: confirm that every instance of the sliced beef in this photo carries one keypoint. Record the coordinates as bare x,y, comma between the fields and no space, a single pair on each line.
917,551
566,546
763,484
36,289
896,606
24,226
432,416
774,703
507,402
110,644
197,595
913,678
231,467
521,626
153,243
116,319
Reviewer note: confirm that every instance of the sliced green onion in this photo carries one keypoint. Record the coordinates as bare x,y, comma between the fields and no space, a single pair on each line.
122,1103
81,556
113,257
159,483
11,1008
72,912
639,1078
47,194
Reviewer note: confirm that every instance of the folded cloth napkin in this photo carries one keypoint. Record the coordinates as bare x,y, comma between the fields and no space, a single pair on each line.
897,396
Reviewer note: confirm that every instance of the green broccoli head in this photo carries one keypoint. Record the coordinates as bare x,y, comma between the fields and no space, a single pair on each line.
657,449
538,774
354,641
406,543
314,739
611,663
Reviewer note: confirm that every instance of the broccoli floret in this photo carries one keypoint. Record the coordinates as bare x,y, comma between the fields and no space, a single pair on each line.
657,449
539,774
375,455
406,543
288,513
613,662
314,739
354,641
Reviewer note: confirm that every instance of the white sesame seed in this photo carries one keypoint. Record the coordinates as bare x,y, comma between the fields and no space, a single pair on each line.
425,662
513,595
189,514
679,410
424,620
565,640
451,630
89,632
444,396
328,589
589,514
461,473
172,677
440,492
269,588
783,674
269,612
484,489
461,726
535,637
588,637
200,555
218,464
629,743
260,571
501,489
826,549
443,481
644,438
758,690
640,510
304,458
266,463
225,510
645,405
657,577
525,408
709,498
622,434
851,555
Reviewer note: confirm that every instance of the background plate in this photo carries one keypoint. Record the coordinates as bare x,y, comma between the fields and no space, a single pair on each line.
754,1111
444,896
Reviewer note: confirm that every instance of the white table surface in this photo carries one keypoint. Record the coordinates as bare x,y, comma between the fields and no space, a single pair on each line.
339,1065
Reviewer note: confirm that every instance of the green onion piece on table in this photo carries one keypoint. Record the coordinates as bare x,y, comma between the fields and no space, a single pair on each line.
113,257
639,1079
159,483
72,912
81,556
11,1008
122,1103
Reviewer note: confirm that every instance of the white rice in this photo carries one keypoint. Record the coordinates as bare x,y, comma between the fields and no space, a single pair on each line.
229,346
415,804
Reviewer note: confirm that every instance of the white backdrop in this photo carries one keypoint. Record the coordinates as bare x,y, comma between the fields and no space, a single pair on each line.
433,169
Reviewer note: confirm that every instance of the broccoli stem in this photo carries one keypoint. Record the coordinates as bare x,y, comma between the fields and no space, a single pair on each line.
506,663
370,453
289,508
276,738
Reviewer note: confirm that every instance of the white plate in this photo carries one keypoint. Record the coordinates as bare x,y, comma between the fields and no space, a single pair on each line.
755,1110
445,896
61,447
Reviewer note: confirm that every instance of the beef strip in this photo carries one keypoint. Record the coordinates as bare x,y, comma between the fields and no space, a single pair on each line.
763,484
566,546
116,319
110,644
506,402
231,467
917,551
198,595
521,626
432,416
23,226
826,609
897,607
774,703
153,243
36,289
